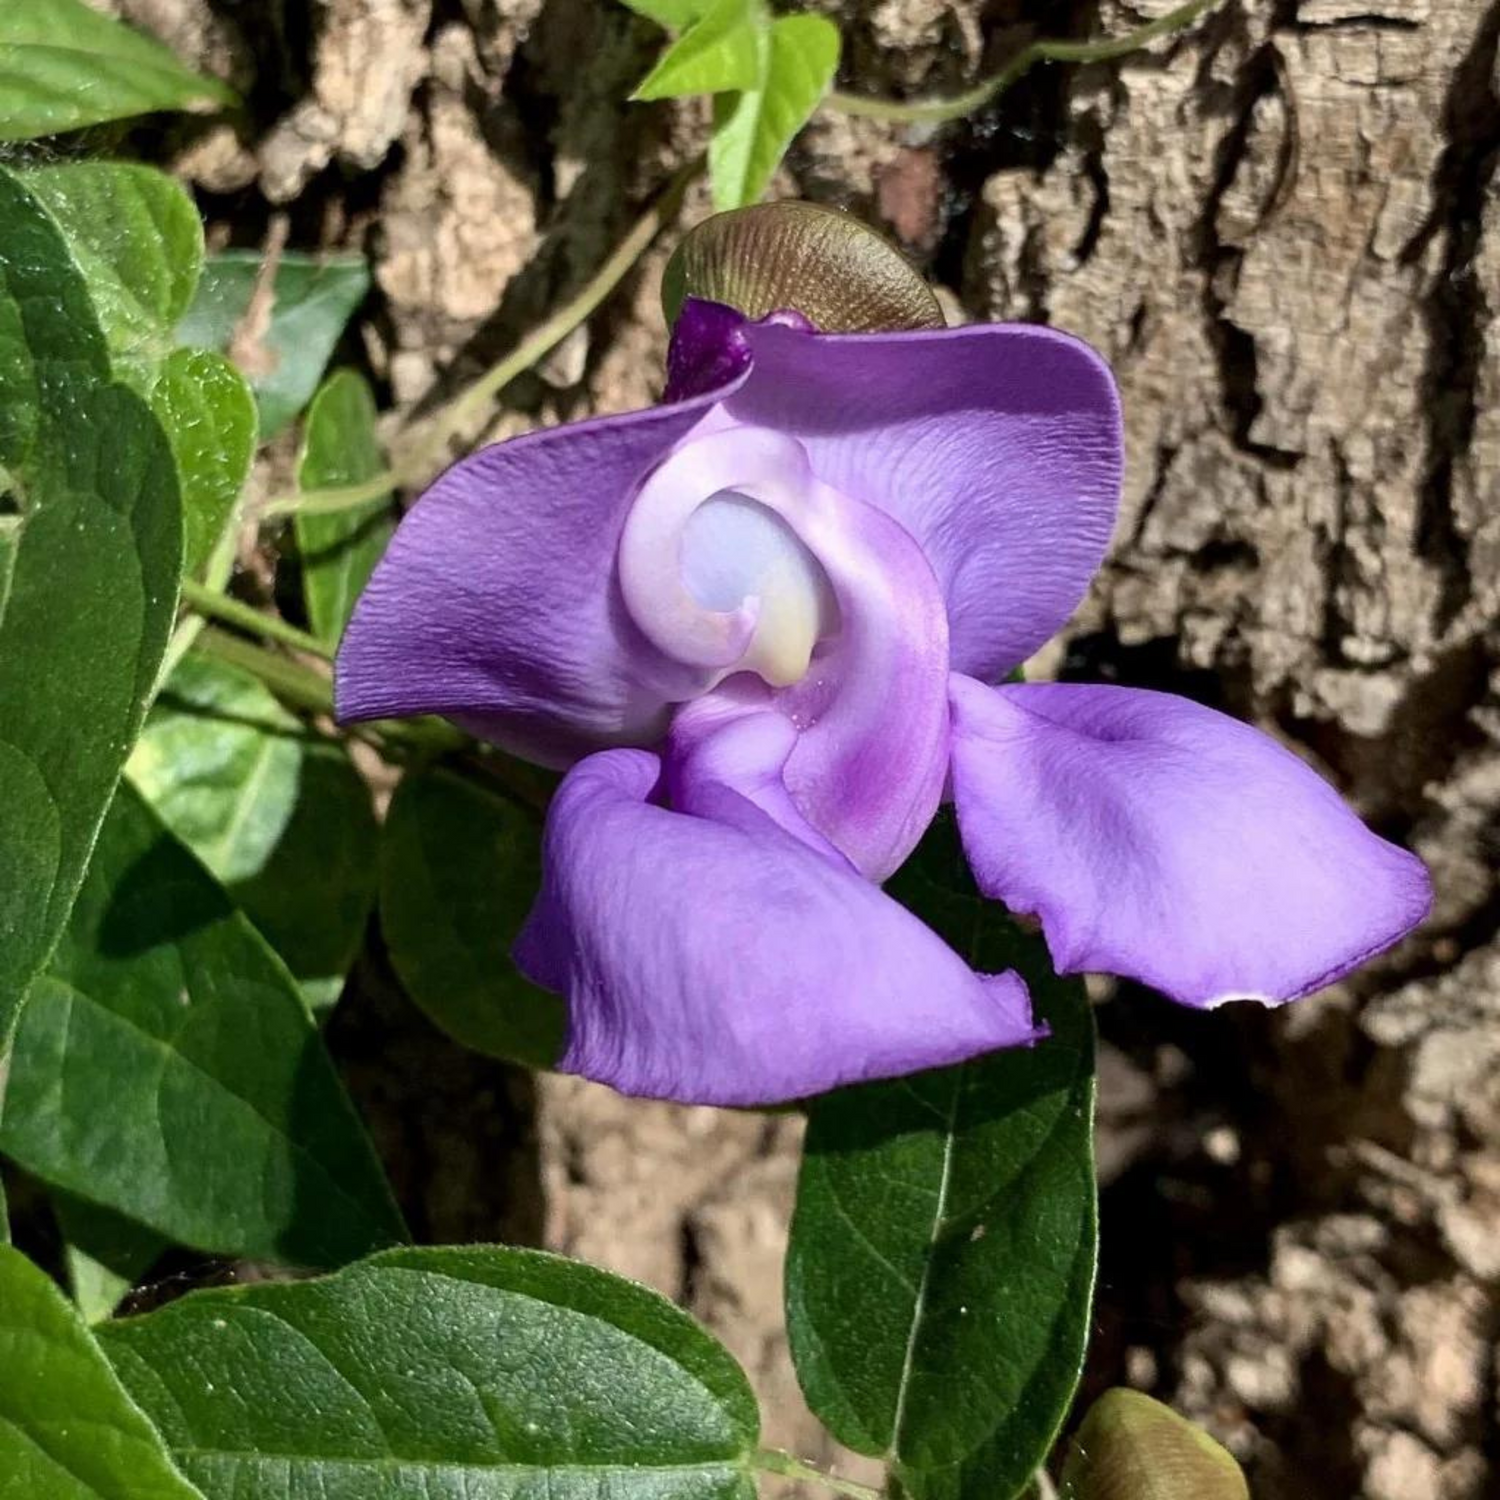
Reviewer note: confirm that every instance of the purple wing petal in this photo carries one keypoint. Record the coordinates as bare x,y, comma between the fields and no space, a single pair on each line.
1162,841
496,602
707,351
714,958
998,447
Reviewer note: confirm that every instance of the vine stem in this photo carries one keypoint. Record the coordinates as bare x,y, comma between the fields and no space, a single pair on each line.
426,441
301,687
774,1461
956,106
216,606
296,685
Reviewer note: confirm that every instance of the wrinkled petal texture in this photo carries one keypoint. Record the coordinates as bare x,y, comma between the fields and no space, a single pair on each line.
496,602
998,447
713,957
1162,841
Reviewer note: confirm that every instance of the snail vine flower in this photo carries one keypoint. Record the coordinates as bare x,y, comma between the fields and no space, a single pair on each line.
766,627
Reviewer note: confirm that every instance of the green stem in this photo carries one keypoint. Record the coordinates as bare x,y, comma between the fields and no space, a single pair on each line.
336,498
475,401
294,684
217,606
302,688
427,441
956,106
774,1461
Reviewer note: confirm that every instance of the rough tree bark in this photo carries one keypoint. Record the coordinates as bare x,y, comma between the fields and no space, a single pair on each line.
1284,232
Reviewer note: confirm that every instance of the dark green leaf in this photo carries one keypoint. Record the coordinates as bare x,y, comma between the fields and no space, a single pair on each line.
210,418
88,582
1133,1448
459,868
315,892
137,238
166,1067
68,1430
281,818
720,52
63,65
339,549
753,129
943,1247
485,1374
106,1254
312,298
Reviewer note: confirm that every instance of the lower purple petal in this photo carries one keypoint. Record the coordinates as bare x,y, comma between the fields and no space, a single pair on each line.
713,958
1162,841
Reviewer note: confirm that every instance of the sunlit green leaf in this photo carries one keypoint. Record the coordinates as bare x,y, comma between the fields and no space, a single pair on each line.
210,418
138,241
220,759
166,1067
674,14
104,1252
339,549
136,237
721,51
68,1430
753,129
88,581
281,818
64,65
943,1247
436,1374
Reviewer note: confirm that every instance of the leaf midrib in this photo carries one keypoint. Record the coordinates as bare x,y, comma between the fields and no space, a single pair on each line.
739,1464
919,1305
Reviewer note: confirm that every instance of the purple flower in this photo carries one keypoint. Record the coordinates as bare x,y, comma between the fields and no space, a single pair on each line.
760,623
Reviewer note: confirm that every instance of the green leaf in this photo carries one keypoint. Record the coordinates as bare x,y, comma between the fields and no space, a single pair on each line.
166,1068
459,869
209,414
432,1374
314,894
674,14
281,818
720,52
137,238
339,550
312,299
1130,1447
88,582
943,1246
64,65
752,130
105,1254
219,760
68,1430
